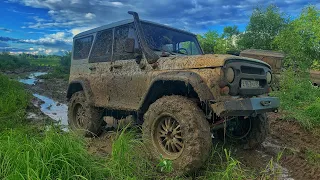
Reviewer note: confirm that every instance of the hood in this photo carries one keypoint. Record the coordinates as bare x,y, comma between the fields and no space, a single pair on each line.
203,61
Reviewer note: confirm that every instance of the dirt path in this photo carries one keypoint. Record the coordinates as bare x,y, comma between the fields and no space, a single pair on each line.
300,146
296,143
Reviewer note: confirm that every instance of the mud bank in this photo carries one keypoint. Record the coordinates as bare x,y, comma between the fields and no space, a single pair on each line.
43,92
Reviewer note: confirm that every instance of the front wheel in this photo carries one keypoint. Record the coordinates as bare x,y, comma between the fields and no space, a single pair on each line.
175,128
250,131
82,117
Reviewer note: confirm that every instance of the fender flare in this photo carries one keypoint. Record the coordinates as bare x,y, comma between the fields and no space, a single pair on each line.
85,85
197,83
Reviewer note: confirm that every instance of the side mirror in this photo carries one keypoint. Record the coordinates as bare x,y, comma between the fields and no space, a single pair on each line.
129,45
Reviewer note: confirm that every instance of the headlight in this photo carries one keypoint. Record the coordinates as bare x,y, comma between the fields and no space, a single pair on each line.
269,77
230,75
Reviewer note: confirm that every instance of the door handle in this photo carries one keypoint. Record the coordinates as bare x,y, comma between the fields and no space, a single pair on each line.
117,66
92,68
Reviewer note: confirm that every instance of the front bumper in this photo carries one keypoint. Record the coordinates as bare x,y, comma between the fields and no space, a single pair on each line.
246,106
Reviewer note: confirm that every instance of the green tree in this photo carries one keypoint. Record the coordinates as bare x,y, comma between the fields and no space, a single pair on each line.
300,40
230,31
231,37
212,42
264,26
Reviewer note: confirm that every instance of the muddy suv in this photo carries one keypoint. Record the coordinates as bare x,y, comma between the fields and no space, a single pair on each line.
158,77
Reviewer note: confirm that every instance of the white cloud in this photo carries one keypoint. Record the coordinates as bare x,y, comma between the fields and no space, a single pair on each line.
90,16
57,40
76,31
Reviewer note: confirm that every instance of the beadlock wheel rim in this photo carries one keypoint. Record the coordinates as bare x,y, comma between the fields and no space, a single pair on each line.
168,137
79,116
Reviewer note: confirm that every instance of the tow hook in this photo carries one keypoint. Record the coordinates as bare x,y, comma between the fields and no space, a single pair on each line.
265,103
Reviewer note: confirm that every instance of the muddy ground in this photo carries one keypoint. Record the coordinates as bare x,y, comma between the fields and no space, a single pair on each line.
296,144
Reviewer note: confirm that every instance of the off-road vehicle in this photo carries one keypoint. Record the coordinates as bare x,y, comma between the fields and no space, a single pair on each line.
159,77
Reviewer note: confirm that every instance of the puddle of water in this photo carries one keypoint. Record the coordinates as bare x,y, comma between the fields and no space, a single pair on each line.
53,109
32,78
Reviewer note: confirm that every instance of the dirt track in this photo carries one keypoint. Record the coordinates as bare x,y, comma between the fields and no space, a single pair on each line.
287,137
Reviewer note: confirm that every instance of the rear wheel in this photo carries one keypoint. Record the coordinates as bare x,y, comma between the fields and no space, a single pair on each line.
175,128
250,132
82,117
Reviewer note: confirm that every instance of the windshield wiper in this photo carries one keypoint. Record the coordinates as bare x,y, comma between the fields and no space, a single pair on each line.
161,50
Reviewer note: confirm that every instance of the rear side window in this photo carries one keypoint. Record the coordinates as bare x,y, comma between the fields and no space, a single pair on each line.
102,48
120,35
82,47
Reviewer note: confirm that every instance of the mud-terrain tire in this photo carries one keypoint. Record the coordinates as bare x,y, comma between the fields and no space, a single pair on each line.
259,130
193,127
82,117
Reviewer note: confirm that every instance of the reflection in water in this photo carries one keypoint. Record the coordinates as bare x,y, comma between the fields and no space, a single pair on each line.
32,78
53,109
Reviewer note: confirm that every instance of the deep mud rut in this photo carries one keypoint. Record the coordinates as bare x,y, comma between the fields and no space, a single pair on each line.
286,137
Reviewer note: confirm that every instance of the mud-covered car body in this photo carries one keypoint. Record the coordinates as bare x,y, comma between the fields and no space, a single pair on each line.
117,80
157,76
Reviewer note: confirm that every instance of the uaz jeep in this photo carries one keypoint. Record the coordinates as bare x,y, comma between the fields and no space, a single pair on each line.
159,76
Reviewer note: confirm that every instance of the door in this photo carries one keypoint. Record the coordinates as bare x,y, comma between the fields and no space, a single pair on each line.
99,66
129,78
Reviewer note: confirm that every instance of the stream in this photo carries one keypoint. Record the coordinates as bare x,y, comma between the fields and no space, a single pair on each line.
55,110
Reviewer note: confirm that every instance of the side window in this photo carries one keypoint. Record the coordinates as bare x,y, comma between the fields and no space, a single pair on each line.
189,46
82,47
102,48
120,35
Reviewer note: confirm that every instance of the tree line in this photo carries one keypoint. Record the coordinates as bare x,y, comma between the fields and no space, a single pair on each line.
270,29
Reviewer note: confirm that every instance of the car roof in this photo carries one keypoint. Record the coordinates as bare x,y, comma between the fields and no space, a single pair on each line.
124,22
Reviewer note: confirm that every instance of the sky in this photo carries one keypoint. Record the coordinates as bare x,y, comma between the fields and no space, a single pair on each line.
48,26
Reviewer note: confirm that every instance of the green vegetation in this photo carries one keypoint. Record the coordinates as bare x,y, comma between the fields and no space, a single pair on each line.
313,157
61,70
300,39
60,65
26,155
212,42
264,26
9,62
13,102
299,98
41,60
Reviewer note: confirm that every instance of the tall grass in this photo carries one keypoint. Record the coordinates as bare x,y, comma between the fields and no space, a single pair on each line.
51,156
299,99
129,158
221,165
13,102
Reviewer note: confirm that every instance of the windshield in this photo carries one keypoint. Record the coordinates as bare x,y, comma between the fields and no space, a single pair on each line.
164,39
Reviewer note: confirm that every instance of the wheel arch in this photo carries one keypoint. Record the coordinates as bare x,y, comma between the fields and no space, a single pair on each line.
182,83
80,85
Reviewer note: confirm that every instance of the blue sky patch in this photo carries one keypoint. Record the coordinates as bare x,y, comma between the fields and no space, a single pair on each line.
47,26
